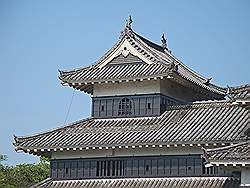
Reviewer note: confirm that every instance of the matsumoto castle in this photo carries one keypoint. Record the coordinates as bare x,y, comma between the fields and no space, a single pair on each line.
155,123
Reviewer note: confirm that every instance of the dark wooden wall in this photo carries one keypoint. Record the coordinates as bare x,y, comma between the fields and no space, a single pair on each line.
154,166
141,105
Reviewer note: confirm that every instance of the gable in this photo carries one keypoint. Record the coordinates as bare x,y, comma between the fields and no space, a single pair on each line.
127,50
121,59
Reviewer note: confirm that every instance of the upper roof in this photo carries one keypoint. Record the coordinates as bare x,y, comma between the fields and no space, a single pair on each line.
237,153
198,123
185,182
134,58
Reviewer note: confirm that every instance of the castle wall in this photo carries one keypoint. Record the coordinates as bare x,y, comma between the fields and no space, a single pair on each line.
179,92
127,88
126,152
165,87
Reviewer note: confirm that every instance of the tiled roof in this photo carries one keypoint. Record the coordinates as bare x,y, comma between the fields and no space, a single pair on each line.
121,71
200,123
162,64
240,92
236,153
185,182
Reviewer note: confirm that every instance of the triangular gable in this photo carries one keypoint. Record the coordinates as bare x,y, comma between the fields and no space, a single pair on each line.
128,59
125,48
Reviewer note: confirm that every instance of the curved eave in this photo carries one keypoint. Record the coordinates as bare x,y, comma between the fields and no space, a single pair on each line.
203,88
233,155
46,151
87,85
229,163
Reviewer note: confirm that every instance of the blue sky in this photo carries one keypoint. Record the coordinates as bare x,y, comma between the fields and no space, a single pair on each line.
39,37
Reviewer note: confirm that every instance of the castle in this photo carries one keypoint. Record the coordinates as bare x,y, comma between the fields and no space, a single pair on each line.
155,123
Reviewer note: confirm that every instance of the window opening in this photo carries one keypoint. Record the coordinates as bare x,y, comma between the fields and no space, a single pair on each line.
147,167
149,105
125,107
67,170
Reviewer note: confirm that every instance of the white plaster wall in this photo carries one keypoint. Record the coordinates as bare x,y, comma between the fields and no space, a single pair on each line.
127,88
245,177
174,90
126,152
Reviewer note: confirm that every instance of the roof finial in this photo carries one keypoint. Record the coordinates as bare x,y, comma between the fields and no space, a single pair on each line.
129,22
164,41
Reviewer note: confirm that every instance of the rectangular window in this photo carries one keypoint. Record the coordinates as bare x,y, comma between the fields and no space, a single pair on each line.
92,168
160,165
73,173
149,105
198,166
67,170
154,167
120,169
108,167
141,167
117,167
167,167
54,169
182,166
135,167
80,169
97,168
190,166
174,167
60,169
86,168
150,166
113,168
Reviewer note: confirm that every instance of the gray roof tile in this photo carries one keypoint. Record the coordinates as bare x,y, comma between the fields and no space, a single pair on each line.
187,124
129,68
235,153
185,182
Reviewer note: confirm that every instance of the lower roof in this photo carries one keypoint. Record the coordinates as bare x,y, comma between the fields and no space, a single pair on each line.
185,182
199,123
238,153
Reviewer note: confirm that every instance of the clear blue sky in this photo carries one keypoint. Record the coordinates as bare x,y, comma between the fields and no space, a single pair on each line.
39,37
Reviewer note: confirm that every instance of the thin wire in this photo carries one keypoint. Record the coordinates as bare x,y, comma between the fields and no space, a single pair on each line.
67,115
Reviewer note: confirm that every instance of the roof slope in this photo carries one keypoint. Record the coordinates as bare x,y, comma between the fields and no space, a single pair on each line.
238,153
156,62
240,93
186,182
187,124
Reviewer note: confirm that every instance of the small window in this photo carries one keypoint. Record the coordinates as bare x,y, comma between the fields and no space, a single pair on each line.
102,108
147,168
149,105
67,170
125,107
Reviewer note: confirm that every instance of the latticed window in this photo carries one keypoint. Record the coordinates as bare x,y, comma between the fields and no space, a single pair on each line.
125,107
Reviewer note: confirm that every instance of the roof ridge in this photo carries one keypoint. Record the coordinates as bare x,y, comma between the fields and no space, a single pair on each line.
173,57
167,55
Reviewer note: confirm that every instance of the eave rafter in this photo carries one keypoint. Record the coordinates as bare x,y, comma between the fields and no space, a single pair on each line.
47,151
